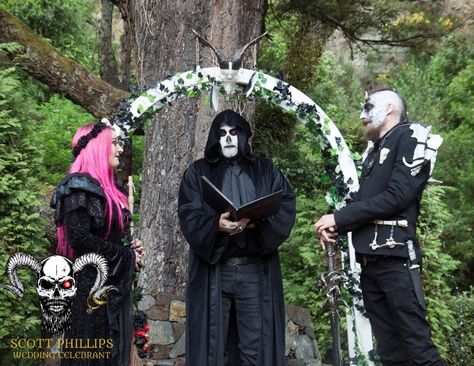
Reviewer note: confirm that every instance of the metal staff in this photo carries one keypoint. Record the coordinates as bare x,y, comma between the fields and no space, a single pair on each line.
330,282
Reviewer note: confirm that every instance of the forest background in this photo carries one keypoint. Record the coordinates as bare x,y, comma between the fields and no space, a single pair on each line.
425,50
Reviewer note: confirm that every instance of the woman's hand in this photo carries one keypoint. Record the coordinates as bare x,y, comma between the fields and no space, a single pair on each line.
137,247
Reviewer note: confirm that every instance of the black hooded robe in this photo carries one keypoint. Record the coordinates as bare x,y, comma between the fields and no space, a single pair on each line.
199,224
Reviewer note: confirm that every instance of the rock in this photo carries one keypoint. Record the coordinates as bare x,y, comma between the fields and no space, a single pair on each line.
178,329
291,332
179,347
161,332
294,362
161,352
146,302
292,328
177,311
164,363
299,315
308,330
312,362
304,348
180,362
307,362
165,299
158,312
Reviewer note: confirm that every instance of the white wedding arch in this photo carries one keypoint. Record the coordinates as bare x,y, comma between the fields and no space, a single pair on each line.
251,84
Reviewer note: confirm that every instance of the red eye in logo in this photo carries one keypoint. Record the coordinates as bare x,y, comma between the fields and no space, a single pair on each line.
66,284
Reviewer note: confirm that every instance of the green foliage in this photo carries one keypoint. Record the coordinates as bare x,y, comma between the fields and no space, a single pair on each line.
375,22
338,91
273,54
268,140
438,267
21,229
447,77
462,346
60,121
67,23
302,264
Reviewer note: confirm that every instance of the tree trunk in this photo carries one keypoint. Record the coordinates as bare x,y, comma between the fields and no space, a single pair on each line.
107,61
61,74
126,54
165,45
301,62
124,7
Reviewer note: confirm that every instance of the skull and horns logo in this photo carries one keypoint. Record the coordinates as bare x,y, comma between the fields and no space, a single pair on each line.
56,285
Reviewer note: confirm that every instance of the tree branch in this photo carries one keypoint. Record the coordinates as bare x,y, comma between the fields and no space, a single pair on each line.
60,73
351,35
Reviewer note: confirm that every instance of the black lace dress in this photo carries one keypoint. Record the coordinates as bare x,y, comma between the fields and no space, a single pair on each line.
80,206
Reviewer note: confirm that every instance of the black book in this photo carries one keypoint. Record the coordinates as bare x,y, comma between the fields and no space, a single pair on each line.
256,210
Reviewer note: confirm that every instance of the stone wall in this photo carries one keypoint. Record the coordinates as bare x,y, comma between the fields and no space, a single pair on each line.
167,315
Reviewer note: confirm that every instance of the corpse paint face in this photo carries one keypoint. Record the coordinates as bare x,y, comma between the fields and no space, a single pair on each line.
229,141
374,115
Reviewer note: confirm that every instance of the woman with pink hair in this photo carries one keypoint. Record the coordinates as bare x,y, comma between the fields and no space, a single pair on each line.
91,215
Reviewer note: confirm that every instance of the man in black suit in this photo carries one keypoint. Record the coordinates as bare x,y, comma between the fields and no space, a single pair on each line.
382,219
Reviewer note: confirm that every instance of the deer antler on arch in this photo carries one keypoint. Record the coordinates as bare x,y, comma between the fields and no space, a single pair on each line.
236,61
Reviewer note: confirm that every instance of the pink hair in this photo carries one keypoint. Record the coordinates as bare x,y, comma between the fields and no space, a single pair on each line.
94,160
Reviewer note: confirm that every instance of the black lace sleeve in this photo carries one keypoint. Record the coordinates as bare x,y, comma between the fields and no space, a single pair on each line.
82,240
78,223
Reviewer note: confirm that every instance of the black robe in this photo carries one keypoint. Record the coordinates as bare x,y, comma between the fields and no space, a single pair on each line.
199,224
79,201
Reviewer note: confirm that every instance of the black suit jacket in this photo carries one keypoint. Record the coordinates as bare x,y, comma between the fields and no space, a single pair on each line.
388,191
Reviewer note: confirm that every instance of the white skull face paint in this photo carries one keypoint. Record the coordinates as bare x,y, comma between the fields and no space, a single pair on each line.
374,114
374,110
229,141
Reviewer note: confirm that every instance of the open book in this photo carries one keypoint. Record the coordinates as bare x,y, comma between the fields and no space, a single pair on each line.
256,210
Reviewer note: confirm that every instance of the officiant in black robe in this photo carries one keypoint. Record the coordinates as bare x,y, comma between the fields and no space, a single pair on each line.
235,306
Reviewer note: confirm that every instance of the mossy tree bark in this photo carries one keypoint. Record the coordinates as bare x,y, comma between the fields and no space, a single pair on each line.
61,74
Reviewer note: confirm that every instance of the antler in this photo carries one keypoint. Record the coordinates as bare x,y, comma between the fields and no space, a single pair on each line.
236,61
98,289
220,57
238,55
19,260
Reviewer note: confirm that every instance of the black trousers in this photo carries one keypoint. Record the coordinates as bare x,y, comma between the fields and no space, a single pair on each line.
241,288
395,306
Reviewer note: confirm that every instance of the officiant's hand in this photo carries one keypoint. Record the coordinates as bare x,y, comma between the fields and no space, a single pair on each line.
231,227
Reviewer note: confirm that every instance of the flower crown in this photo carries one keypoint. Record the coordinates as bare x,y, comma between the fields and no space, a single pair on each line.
84,140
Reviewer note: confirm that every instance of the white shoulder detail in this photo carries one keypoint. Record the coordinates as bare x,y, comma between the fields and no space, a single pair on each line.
425,150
